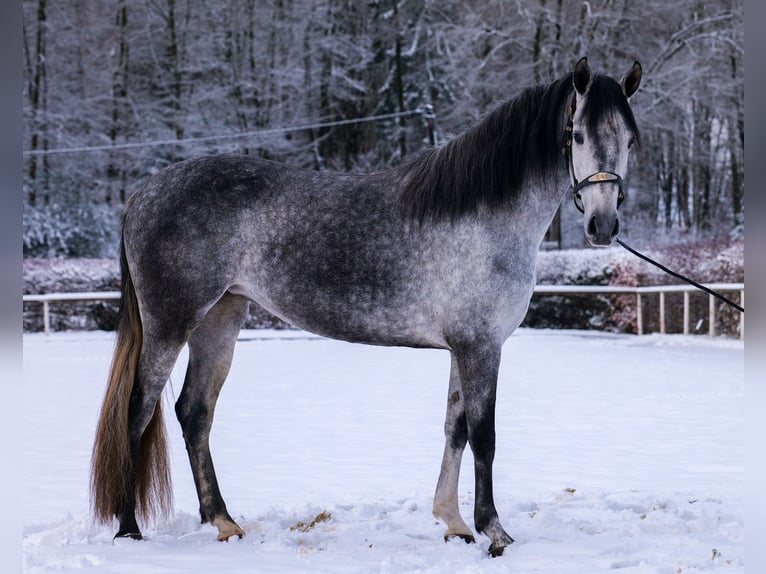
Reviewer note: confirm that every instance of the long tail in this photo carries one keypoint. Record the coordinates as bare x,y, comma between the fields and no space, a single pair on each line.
110,482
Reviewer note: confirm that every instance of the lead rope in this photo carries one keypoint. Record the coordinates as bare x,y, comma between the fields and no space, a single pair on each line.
679,276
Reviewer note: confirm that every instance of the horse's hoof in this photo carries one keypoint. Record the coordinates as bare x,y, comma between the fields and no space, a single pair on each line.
227,529
496,549
130,535
467,538
225,537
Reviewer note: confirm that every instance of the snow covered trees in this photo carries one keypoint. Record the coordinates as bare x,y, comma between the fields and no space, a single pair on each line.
111,73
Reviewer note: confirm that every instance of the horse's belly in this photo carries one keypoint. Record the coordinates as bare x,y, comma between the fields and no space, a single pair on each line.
414,312
359,314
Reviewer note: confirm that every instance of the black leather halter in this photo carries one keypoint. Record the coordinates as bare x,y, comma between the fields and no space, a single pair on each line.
598,177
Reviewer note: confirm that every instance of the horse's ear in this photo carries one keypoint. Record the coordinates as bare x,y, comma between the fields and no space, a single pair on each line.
581,77
632,80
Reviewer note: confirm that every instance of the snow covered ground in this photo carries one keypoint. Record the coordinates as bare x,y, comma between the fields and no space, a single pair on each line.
615,452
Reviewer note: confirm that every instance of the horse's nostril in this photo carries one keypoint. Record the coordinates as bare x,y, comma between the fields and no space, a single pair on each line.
616,228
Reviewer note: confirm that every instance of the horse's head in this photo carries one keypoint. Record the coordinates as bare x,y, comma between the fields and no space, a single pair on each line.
601,130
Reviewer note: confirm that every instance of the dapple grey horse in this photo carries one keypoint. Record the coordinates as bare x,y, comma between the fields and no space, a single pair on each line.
438,252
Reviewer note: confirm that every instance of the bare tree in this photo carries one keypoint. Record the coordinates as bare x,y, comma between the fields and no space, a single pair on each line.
112,72
37,97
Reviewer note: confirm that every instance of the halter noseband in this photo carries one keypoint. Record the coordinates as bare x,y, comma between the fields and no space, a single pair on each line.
598,177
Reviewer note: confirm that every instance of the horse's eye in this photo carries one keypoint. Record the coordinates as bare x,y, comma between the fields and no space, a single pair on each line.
578,138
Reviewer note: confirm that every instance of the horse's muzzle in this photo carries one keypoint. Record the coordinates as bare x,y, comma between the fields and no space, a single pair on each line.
602,230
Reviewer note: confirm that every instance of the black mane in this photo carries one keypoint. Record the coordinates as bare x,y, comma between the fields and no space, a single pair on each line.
488,164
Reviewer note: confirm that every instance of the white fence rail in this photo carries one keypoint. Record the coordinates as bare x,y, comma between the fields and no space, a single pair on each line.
47,298
639,292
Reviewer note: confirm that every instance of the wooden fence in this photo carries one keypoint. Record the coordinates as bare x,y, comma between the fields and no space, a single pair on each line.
639,292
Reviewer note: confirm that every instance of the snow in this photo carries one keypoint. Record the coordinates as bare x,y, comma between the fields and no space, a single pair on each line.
615,452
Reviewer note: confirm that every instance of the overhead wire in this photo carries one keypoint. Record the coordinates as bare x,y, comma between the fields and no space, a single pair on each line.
221,137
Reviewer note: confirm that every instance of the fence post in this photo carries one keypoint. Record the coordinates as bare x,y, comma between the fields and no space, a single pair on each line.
686,312
639,315
742,315
662,312
711,315
46,318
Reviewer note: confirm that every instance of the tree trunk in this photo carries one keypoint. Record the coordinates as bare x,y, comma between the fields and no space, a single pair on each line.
399,81
667,181
115,171
737,178
38,165
176,56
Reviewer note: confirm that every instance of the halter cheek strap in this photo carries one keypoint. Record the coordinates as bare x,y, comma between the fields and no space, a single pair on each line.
598,177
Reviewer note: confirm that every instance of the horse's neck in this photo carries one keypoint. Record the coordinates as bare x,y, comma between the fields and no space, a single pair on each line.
530,217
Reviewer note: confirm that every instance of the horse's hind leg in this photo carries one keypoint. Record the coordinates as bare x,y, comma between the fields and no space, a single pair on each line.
211,348
456,437
148,481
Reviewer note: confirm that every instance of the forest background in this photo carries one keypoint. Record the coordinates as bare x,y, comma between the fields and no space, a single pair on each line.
106,80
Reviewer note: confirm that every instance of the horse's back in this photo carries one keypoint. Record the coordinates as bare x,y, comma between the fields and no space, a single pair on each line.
186,189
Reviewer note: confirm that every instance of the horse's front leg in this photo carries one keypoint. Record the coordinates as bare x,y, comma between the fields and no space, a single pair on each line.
456,436
478,367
